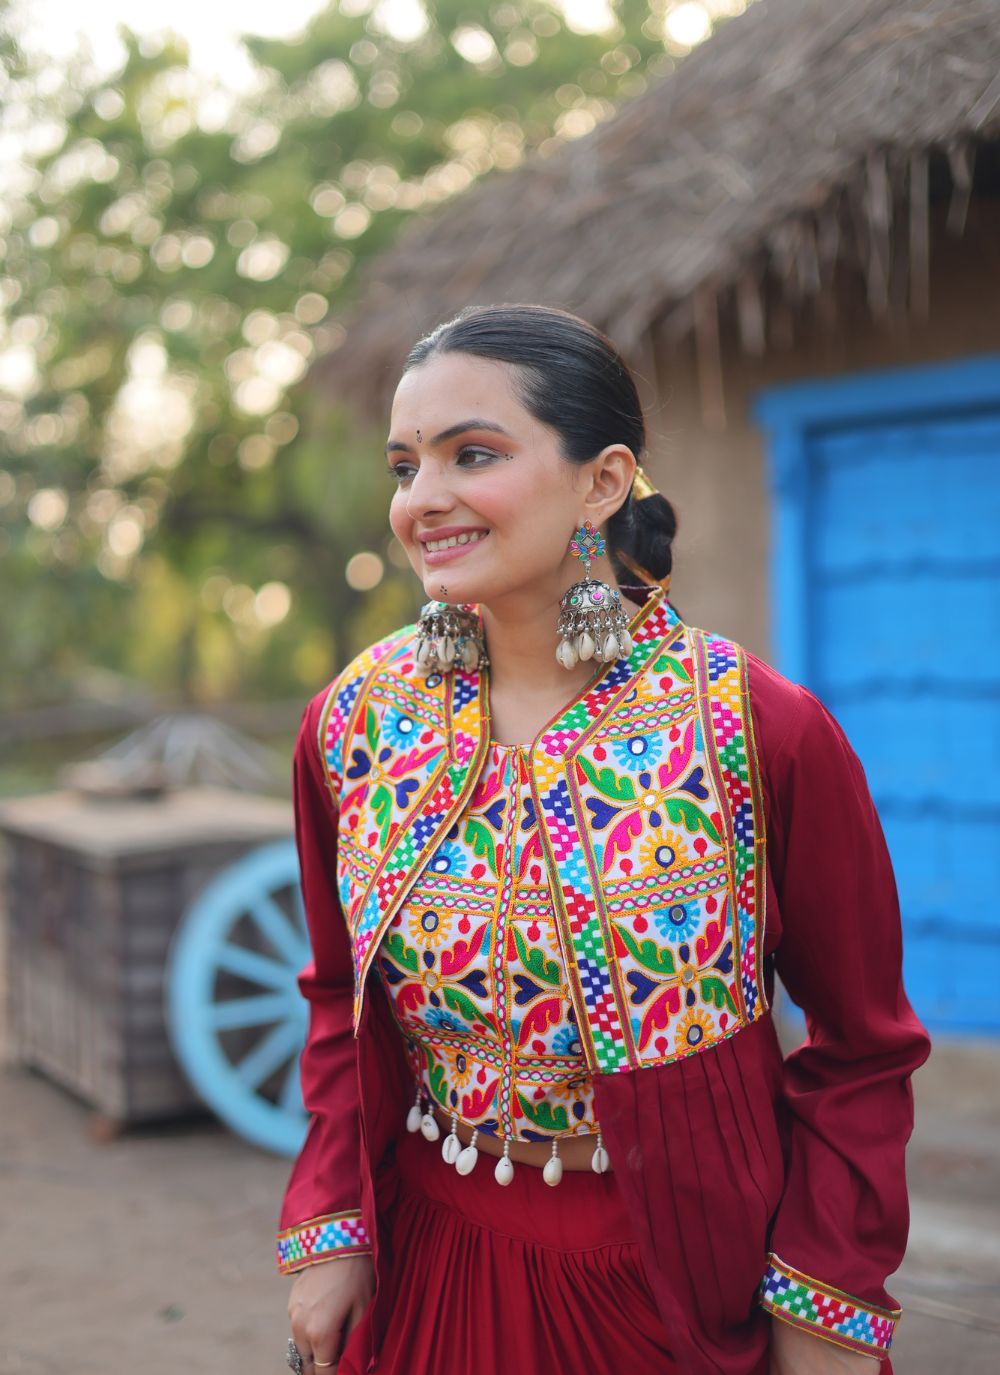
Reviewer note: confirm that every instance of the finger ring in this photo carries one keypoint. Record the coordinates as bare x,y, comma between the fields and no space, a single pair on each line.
294,1357
320,1364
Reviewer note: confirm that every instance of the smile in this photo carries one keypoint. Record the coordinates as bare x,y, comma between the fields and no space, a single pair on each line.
434,546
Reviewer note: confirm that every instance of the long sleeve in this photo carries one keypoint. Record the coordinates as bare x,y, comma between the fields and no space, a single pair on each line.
320,1217
841,1226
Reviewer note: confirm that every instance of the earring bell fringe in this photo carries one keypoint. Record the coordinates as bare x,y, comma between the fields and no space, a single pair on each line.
592,625
449,637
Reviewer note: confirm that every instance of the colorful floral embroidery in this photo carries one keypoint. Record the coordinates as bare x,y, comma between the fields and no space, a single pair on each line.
678,922
321,1238
804,1302
692,1030
644,805
637,752
655,926
474,972
662,850
429,927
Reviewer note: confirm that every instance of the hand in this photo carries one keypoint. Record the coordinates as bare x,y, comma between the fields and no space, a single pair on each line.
794,1352
326,1303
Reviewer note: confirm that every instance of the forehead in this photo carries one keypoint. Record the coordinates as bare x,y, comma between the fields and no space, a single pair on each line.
449,386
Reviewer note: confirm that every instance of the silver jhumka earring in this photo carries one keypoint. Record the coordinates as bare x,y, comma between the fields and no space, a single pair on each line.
449,637
592,619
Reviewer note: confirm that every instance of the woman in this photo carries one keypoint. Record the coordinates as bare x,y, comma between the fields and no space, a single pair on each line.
548,893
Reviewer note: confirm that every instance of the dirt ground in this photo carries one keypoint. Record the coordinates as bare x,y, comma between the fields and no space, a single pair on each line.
153,1252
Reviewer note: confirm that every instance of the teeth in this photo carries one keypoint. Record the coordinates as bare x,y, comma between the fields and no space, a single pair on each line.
434,545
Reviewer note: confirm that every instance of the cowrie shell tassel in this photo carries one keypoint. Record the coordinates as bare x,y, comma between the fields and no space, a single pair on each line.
415,1115
599,1161
552,1174
610,649
504,1171
451,1145
585,647
566,654
429,1128
467,1158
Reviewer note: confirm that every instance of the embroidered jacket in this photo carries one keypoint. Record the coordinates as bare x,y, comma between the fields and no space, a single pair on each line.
674,1029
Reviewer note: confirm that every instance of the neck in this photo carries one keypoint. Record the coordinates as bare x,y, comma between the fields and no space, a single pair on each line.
521,637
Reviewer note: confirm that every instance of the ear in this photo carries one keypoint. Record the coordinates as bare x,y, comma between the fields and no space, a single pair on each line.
611,475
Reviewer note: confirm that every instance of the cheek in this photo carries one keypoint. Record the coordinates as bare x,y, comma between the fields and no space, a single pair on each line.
400,521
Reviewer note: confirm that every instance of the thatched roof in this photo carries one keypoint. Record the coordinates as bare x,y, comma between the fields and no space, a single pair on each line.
802,134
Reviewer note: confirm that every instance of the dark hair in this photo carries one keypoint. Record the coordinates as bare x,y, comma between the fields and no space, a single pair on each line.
572,378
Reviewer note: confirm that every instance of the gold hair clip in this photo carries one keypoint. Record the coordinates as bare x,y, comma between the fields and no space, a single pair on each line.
641,485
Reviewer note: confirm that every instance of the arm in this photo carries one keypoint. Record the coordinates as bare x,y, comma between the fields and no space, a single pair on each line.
841,1227
321,1216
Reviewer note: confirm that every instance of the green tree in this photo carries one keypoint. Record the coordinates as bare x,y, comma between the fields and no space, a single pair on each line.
177,503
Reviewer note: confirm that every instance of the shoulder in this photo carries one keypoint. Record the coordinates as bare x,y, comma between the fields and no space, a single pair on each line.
780,710
778,706
789,723
326,715
794,733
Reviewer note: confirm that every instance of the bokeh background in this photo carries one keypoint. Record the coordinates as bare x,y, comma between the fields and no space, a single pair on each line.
186,516
221,228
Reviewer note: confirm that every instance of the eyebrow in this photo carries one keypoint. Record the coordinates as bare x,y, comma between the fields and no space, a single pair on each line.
395,446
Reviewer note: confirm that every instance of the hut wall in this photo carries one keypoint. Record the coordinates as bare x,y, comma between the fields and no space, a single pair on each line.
719,481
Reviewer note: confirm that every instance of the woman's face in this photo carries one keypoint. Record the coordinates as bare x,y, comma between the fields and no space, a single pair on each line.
485,504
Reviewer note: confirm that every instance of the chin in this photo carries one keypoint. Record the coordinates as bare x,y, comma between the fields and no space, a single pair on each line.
455,595
460,588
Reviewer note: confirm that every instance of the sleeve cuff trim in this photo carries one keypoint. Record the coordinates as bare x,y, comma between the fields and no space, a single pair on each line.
321,1238
807,1303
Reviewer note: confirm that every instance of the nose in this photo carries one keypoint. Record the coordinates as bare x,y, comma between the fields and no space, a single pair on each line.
429,493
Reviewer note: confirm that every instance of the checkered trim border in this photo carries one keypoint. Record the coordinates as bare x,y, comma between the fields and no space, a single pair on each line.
803,1302
322,1238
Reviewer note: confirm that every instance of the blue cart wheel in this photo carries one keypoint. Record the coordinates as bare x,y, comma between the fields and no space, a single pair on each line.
236,1018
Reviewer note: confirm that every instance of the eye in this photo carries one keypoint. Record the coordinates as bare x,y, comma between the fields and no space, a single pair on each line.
402,471
474,457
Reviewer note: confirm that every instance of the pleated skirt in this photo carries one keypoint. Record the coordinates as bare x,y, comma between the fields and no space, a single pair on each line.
523,1280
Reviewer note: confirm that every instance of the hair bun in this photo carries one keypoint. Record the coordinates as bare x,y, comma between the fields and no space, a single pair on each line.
645,532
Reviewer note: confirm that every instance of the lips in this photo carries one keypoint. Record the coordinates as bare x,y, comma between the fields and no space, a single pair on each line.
443,546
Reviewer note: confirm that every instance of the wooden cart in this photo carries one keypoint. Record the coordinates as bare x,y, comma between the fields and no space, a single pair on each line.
95,892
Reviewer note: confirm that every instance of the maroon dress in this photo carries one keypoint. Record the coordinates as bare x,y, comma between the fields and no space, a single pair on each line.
732,1163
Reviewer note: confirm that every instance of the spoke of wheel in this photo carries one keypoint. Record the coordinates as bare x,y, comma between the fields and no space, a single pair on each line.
241,1012
271,1051
254,967
290,1097
278,930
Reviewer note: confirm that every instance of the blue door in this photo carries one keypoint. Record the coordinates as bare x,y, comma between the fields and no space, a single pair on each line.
887,601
